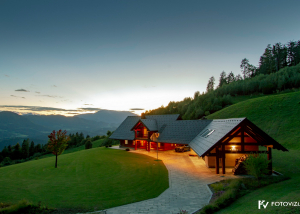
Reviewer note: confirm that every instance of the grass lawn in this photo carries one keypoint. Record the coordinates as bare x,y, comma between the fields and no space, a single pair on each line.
91,179
95,143
277,115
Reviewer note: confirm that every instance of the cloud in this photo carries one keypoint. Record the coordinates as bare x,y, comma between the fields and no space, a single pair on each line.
88,104
90,109
34,108
22,90
17,96
137,109
47,95
37,92
39,110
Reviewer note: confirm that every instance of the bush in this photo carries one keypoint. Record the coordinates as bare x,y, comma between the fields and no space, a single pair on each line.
88,144
256,165
6,161
127,150
109,142
24,207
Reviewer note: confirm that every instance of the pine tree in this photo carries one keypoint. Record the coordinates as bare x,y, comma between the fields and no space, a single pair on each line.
25,149
31,149
210,84
222,79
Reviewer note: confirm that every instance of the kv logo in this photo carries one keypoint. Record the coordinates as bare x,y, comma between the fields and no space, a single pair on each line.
261,203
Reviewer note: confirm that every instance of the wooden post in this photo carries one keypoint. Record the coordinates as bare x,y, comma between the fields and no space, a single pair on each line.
217,160
223,159
242,139
148,141
157,150
135,145
270,159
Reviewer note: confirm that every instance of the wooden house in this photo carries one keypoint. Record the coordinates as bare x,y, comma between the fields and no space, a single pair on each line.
219,142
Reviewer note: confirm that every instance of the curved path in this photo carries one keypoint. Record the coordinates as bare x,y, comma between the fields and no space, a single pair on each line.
188,190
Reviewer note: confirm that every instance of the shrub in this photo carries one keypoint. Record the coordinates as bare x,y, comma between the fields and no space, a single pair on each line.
24,207
88,144
127,149
6,161
256,165
109,142
97,137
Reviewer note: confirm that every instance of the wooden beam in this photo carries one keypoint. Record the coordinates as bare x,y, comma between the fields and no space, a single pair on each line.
255,133
247,144
243,139
217,160
270,160
251,133
231,137
223,159
240,152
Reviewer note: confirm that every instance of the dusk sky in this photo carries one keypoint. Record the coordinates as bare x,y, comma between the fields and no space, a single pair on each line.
67,57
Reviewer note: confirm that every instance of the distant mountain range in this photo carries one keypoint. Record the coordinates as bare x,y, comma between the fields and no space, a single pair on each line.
14,128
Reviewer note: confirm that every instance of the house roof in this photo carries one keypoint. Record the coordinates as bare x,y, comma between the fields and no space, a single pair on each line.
201,135
182,131
124,130
150,124
163,120
213,133
216,131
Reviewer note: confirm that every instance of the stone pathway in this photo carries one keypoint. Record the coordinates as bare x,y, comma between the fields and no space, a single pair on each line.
188,190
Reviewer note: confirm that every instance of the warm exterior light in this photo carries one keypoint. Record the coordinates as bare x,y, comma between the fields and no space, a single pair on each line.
233,148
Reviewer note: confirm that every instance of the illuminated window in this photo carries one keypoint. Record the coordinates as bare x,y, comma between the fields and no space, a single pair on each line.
133,142
126,141
142,143
158,144
145,131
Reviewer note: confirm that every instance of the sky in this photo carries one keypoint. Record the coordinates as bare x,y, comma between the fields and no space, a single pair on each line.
69,57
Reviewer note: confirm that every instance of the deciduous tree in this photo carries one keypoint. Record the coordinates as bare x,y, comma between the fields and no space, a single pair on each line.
58,143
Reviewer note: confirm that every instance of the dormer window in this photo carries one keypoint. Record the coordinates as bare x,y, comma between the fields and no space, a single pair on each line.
207,132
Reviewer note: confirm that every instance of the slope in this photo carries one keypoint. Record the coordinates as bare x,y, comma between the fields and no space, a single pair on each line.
108,116
277,115
96,178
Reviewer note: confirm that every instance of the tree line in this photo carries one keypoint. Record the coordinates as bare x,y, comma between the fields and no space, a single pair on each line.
278,70
29,150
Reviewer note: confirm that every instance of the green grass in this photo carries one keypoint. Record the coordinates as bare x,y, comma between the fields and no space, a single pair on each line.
95,143
96,178
278,116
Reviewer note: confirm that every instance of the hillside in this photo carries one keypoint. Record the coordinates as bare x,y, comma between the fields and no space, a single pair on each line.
115,118
96,178
277,115
13,125
15,128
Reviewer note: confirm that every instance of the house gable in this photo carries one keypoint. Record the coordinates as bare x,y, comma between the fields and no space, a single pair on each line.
240,134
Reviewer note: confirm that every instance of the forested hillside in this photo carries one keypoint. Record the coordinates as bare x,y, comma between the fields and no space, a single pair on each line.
278,72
